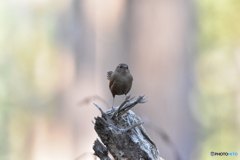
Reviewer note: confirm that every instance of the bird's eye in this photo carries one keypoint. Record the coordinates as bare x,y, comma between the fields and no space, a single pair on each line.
120,67
126,67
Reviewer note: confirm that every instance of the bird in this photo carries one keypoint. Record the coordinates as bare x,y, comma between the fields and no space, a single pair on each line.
120,81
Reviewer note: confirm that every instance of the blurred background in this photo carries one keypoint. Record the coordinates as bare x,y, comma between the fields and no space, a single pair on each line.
184,56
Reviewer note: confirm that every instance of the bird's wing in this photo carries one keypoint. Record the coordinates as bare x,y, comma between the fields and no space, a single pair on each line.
130,85
110,84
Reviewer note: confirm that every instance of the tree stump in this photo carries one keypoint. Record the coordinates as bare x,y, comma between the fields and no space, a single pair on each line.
123,135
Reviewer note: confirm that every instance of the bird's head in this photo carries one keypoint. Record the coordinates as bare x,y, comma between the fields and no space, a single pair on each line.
122,68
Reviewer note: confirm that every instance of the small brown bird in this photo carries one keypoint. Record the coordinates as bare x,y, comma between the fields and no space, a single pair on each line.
120,80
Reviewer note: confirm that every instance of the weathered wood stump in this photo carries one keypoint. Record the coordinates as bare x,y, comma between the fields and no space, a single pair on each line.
123,135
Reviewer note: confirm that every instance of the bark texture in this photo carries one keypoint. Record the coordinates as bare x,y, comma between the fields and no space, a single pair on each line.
121,131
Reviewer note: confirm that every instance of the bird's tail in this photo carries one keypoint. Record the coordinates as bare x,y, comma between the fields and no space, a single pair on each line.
109,73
